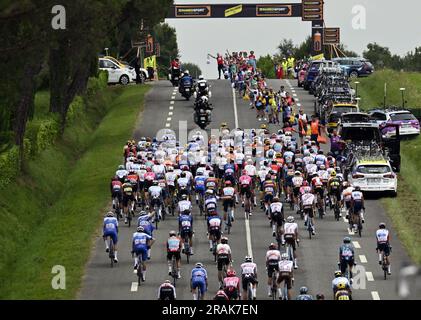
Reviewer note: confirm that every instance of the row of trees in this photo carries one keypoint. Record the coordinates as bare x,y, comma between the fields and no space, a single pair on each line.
381,57
35,54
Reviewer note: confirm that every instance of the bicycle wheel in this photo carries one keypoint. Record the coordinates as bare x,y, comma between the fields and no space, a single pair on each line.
174,270
285,291
139,270
156,218
310,229
337,211
273,288
129,219
214,251
360,227
250,291
229,223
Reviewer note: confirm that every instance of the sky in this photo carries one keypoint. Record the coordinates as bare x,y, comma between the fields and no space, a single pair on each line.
394,24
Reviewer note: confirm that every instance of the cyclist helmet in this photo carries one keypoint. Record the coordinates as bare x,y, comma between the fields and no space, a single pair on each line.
338,273
231,273
305,183
322,167
276,199
172,233
140,229
224,240
272,246
121,167
290,219
211,174
209,191
148,169
320,152
357,188
142,213
184,196
303,290
306,190
228,182
115,178
382,225
244,172
110,214
199,265
199,173
183,174
248,259
341,285
155,182
167,281
297,173
170,169
333,173
347,240
284,256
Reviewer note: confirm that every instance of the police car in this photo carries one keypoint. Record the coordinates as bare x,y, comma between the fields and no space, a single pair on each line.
374,175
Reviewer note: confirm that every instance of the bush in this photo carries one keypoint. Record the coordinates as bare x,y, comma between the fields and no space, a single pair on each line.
95,84
267,66
9,166
76,109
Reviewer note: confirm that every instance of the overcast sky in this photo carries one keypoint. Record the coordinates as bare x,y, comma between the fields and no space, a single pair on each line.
395,24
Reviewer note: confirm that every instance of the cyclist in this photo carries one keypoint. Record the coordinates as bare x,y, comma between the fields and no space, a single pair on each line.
128,198
249,274
320,296
334,187
174,246
277,217
383,244
269,192
357,206
214,228
228,193
221,295
223,257
110,229
199,185
286,274
232,285
155,193
167,291
121,173
210,201
346,257
116,192
273,256
170,177
304,294
297,182
340,283
309,203
183,185
141,242
291,235
245,186
199,280
347,196
185,226
184,205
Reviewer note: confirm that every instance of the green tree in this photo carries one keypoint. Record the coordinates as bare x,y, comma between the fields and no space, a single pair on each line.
287,48
193,69
379,56
267,65
167,38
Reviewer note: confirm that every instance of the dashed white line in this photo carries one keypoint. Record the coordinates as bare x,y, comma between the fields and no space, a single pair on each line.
356,244
350,232
170,113
173,97
375,295
134,287
363,259
171,108
167,125
369,276
172,102
297,100
168,119
294,94
298,104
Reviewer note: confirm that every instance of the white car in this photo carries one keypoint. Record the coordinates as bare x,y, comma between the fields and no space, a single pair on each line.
408,123
375,176
116,73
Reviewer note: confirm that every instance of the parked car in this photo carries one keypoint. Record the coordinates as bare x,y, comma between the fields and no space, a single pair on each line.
355,67
312,73
334,116
117,73
408,123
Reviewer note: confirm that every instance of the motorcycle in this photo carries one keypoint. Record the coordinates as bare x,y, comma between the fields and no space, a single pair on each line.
186,90
174,77
202,118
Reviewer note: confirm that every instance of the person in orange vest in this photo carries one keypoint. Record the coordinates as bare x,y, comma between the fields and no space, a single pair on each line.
315,127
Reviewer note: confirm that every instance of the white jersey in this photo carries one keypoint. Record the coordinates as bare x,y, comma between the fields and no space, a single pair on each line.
189,175
347,194
248,268
308,199
158,169
210,203
308,159
357,195
121,173
239,158
184,205
223,249
251,170
262,173
320,159
273,255
155,191
183,182
285,266
290,228
160,154
276,207
297,181
214,222
170,177
382,235
228,191
338,280
311,168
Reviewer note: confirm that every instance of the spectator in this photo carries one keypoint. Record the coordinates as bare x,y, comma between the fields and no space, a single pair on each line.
220,61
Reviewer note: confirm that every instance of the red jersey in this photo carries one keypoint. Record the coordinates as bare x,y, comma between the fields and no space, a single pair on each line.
220,60
232,283
175,64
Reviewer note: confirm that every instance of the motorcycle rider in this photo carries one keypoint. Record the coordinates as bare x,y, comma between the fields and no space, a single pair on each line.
175,68
202,104
202,88
185,81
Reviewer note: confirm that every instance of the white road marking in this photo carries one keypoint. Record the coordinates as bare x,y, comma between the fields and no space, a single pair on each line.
356,244
171,108
375,295
294,94
170,113
298,104
134,287
363,259
247,223
297,100
172,102
173,97
167,125
168,119
369,276
350,232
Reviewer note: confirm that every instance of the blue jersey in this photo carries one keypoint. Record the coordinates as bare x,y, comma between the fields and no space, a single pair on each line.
229,166
346,251
185,222
147,226
214,222
199,183
199,274
140,241
304,297
110,225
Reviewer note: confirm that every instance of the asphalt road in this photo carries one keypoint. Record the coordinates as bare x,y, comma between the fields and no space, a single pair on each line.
317,258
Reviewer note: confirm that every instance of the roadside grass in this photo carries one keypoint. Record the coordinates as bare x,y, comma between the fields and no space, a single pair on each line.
404,210
54,209
371,89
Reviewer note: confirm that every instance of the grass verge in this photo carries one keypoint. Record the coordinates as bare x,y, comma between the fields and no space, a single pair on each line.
54,208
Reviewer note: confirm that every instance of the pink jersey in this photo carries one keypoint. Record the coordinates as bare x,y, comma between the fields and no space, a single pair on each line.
150,176
231,282
245,180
